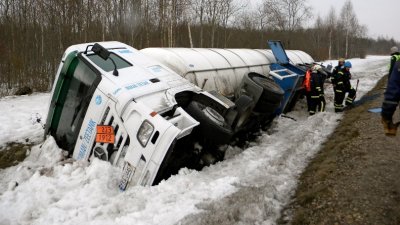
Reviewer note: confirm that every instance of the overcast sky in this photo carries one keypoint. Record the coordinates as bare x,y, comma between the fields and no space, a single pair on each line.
380,16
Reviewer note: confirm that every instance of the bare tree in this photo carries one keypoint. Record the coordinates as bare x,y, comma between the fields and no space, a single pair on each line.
34,33
199,11
318,34
331,22
255,19
213,16
349,22
229,9
245,20
287,15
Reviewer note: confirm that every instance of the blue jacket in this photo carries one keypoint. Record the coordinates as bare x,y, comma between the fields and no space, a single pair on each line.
393,59
392,93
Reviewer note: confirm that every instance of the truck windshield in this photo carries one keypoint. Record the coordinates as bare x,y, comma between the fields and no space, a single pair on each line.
107,65
77,90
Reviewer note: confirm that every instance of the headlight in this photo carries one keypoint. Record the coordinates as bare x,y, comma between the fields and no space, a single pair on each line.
144,133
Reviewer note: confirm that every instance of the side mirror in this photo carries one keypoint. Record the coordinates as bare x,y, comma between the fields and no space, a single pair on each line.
104,54
101,51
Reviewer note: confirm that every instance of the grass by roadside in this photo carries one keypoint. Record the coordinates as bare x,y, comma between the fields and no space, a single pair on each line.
13,153
355,178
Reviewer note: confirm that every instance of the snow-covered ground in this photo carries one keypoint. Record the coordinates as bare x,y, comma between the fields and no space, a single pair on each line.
18,115
43,189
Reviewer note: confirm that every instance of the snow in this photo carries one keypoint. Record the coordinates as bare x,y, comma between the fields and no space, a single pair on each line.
16,115
47,189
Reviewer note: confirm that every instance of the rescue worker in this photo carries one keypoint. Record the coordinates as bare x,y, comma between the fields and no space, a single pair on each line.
342,86
338,67
335,71
395,56
391,101
307,88
314,87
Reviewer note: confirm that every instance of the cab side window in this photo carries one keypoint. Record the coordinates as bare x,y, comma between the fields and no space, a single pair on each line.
79,92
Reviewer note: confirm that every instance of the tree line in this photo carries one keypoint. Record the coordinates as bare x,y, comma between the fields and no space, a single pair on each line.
35,33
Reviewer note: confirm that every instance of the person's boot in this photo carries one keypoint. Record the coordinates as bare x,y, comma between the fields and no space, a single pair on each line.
349,104
389,127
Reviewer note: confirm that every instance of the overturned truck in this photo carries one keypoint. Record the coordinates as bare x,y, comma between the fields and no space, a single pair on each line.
154,111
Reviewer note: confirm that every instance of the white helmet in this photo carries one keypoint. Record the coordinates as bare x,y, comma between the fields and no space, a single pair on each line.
315,68
394,49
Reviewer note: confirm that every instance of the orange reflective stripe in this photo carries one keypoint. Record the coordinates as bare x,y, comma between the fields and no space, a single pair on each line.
307,81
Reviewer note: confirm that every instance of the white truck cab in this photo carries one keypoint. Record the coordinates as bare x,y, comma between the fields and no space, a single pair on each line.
113,102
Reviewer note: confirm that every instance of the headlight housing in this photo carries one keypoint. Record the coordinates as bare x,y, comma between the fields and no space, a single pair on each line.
145,132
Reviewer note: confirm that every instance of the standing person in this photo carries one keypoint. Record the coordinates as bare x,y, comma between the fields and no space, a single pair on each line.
391,101
307,88
342,86
315,94
337,68
395,56
335,72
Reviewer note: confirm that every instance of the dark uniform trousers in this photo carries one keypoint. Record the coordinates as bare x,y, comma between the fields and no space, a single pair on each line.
341,88
316,98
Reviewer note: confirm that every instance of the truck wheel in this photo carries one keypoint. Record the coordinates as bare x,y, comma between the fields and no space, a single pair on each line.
271,97
266,107
213,126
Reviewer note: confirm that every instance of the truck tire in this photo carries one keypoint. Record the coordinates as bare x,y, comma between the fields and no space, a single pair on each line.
244,105
266,107
271,97
213,126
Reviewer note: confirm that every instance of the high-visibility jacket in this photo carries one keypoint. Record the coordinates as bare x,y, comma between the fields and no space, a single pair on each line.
307,81
395,57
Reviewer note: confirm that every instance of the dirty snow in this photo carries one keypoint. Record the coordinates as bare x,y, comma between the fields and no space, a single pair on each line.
44,189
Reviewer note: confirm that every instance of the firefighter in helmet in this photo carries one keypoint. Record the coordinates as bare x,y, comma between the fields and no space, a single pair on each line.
337,68
314,87
341,86
335,72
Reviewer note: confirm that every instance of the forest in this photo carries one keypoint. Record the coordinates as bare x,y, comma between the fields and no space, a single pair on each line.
35,33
